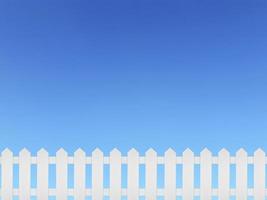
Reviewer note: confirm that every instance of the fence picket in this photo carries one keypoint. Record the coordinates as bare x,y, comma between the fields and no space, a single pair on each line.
170,175
133,175
97,175
151,175
61,175
42,175
205,175
79,174
7,175
259,175
188,175
24,175
115,175
241,175
224,175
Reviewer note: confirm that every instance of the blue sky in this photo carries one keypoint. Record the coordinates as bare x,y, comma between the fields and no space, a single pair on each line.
133,74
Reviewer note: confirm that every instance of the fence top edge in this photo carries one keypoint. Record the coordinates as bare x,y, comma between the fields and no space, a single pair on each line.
187,151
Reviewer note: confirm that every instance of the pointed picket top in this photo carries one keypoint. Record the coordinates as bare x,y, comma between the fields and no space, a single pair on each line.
115,152
42,152
151,152
170,152
241,152
61,152
223,152
7,152
259,152
187,152
133,152
97,152
79,152
205,151
24,152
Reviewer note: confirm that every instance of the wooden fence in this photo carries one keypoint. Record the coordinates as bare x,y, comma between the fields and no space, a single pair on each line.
151,162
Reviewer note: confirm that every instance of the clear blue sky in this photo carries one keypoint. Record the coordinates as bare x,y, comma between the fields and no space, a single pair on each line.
133,74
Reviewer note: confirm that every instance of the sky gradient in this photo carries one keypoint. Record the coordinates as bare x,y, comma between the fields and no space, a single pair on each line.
137,74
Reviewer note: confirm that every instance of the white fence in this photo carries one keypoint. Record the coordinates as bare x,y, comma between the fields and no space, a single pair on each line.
188,162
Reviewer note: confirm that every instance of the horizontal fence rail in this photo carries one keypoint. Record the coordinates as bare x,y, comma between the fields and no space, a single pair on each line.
133,176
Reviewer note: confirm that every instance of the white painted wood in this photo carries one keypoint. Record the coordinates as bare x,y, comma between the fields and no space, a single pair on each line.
61,175
7,175
115,175
205,175
241,175
133,192
97,175
151,175
42,175
224,175
188,175
133,175
170,175
24,175
259,175
79,174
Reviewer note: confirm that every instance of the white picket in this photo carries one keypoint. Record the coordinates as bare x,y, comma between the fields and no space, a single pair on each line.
24,175
151,175
170,175
79,175
97,175
241,175
133,175
133,161
188,175
115,175
61,175
259,175
7,175
223,175
205,175
42,175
